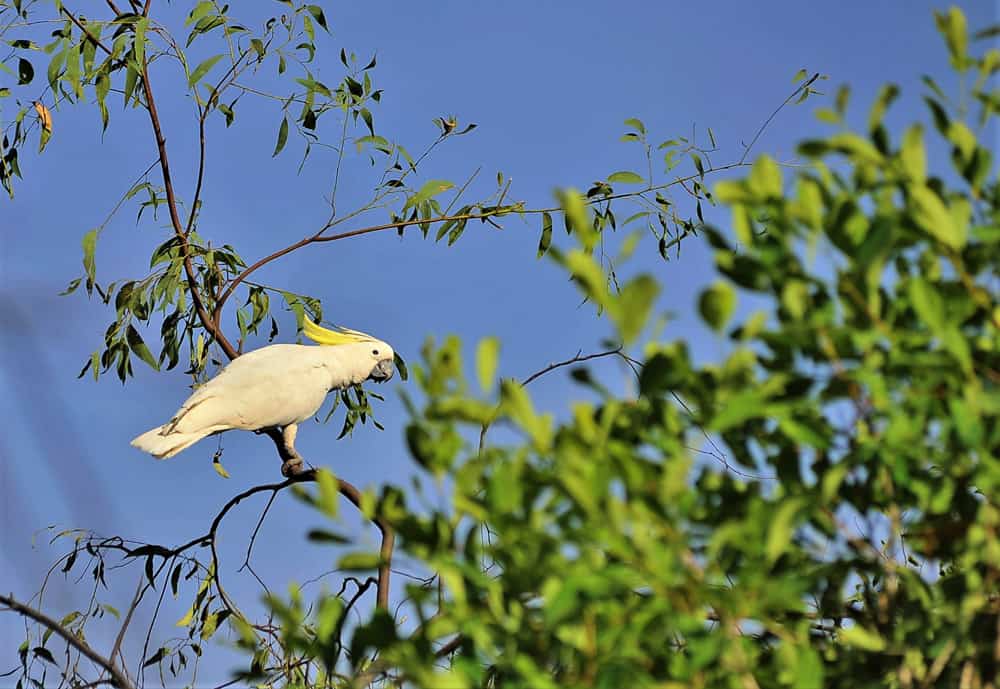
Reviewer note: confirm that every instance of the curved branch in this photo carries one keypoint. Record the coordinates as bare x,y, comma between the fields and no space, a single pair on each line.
385,551
117,678
348,490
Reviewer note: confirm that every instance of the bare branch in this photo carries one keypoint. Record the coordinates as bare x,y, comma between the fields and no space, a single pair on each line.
118,679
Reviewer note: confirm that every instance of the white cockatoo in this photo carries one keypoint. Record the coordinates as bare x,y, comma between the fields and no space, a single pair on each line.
273,389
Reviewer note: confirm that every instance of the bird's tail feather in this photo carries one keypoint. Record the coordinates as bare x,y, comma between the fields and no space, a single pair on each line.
161,443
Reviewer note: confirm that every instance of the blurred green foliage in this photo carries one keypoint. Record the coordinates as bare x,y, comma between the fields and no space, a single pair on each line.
852,541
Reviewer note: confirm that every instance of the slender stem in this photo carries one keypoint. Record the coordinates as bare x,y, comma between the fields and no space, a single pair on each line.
340,160
201,172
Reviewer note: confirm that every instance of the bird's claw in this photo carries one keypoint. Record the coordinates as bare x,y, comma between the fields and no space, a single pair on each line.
292,467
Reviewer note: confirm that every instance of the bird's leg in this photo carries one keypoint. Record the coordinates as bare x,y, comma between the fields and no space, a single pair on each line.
284,443
293,461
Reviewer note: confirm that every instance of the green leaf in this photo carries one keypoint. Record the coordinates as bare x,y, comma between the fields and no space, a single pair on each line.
717,304
486,362
931,215
329,492
324,536
765,178
317,12
886,95
199,11
55,69
43,653
626,177
359,562
737,409
545,241
282,137
429,190
953,27
160,654
131,80
859,637
102,86
202,69
516,403
696,159
588,275
400,365
221,471
577,218
25,72
631,308
781,528
928,304
636,124
913,155
799,76
89,244
136,344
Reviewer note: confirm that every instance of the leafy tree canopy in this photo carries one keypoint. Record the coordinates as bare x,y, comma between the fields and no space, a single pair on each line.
818,509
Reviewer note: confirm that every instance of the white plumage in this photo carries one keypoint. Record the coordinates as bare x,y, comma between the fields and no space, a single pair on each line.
275,387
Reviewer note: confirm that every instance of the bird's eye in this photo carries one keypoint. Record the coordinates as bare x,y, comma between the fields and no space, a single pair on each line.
375,352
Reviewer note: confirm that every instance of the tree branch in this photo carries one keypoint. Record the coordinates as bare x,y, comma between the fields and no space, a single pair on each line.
319,237
83,28
175,220
118,679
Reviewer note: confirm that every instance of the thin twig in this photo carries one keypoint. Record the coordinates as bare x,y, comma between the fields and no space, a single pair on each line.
774,114
253,537
140,590
576,359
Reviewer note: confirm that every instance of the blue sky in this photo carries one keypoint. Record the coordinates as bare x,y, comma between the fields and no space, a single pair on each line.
549,85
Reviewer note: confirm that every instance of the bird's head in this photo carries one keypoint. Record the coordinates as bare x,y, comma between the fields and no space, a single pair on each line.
373,357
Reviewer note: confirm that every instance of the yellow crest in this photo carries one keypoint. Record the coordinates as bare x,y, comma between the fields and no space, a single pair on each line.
323,336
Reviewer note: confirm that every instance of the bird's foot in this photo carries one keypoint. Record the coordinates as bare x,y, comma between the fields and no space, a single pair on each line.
292,467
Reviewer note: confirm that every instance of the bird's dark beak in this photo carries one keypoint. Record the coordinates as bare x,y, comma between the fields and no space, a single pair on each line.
382,372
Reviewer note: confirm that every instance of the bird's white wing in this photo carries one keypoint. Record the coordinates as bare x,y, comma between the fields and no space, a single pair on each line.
271,386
